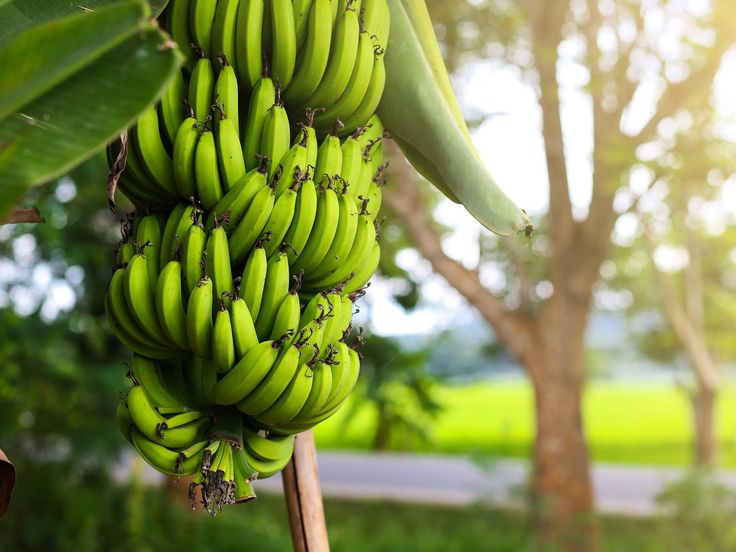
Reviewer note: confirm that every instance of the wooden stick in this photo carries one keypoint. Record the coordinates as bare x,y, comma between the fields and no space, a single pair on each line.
304,498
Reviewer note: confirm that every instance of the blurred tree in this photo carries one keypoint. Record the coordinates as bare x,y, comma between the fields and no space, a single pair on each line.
542,314
62,370
686,233
395,382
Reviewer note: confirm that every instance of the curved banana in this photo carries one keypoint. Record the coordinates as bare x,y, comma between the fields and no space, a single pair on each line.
172,109
185,146
322,234
151,151
288,313
248,37
193,247
280,219
274,292
179,29
236,201
250,227
276,135
262,98
148,374
206,175
140,296
341,245
229,151
218,263
247,373
202,15
244,330
199,318
226,93
165,460
271,448
172,315
305,210
322,376
315,54
148,238
371,99
283,45
273,384
223,346
254,279
222,40
201,88
291,401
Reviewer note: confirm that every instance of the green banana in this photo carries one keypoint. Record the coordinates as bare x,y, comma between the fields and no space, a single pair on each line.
229,151
291,401
140,296
248,37
201,18
223,345
236,201
148,237
206,175
329,158
321,384
148,374
163,459
199,318
202,88
244,330
218,263
302,222
247,373
254,278
250,227
280,219
222,40
274,292
262,98
288,313
266,468
152,153
283,46
302,12
273,384
185,146
276,134
226,93
341,245
342,58
273,447
170,304
315,53
179,29
193,247
171,109
371,99
322,234
293,165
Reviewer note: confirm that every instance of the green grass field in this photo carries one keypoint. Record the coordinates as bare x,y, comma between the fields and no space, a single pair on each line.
638,423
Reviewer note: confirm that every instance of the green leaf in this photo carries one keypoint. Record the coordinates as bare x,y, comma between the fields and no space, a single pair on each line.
47,54
419,110
75,119
17,16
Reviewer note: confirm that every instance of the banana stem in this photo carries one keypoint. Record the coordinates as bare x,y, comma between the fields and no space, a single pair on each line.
304,497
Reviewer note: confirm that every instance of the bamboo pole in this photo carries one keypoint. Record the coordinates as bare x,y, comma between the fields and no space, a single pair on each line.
304,497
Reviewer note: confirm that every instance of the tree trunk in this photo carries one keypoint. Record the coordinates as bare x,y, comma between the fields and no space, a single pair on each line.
706,443
562,493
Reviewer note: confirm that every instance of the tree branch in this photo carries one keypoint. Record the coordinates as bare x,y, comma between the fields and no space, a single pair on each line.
693,341
404,199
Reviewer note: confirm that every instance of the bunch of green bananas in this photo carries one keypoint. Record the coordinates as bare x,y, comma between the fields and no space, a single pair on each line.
236,278
277,59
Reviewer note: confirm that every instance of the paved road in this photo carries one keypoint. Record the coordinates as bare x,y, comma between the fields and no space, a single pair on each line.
628,490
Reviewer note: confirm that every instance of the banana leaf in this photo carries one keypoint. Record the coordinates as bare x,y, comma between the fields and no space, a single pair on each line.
17,16
68,86
420,111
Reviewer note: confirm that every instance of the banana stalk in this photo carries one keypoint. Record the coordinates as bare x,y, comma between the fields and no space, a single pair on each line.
420,111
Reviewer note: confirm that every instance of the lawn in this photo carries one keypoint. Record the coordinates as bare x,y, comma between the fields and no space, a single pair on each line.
638,423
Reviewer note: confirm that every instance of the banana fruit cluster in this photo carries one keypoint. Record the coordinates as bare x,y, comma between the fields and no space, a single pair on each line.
257,183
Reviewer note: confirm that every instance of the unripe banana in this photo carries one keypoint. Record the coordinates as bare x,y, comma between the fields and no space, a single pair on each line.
341,60
201,88
302,222
291,401
152,153
185,147
254,279
223,346
244,330
323,232
273,384
329,158
148,237
247,373
276,134
199,318
170,305
139,294
372,97
319,393
206,174
179,29
172,109
271,448
229,151
147,373
223,29
236,201
261,100
218,263
316,51
226,93
191,260
274,292
251,226
344,237
202,16
283,45
288,313
248,37
280,219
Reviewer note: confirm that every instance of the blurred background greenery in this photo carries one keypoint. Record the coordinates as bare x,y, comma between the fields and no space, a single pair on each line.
436,376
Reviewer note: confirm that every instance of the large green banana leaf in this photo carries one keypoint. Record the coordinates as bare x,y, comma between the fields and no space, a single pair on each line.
69,85
420,111
18,15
